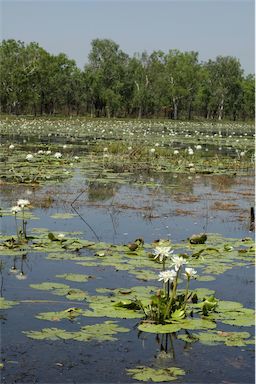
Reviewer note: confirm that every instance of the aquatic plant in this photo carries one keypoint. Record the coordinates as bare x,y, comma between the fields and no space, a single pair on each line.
20,207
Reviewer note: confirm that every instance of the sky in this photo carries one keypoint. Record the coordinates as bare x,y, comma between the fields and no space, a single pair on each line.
210,27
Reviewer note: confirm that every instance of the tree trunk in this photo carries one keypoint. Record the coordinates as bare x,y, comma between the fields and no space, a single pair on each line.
190,110
140,112
175,109
221,108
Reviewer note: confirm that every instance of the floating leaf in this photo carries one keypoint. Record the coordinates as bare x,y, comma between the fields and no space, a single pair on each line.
232,339
63,216
143,373
100,332
75,277
48,286
4,304
159,328
69,313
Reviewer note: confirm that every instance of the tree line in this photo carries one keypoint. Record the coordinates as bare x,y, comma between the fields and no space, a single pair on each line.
112,84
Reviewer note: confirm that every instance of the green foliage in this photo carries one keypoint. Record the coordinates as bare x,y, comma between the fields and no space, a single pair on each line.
148,374
99,332
4,304
113,84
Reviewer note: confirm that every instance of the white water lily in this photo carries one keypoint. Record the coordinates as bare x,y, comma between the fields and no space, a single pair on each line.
23,203
21,276
61,236
11,146
190,273
177,262
57,155
176,152
29,157
162,252
152,150
15,209
166,276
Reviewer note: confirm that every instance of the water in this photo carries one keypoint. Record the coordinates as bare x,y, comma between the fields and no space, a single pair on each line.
175,209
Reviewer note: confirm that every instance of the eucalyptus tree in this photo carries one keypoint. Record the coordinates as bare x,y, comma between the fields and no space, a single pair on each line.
224,79
12,75
138,70
247,108
106,72
157,93
181,79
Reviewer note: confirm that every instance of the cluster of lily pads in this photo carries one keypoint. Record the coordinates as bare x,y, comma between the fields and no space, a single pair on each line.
170,310
39,151
121,147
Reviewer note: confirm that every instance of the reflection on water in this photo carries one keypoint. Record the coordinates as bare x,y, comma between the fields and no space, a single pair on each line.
173,207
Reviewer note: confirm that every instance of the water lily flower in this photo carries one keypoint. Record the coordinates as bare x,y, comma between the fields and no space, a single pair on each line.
105,149
29,157
23,203
15,209
162,253
178,261
190,273
166,276
176,152
198,146
190,151
11,146
152,150
61,236
57,155
76,157
21,276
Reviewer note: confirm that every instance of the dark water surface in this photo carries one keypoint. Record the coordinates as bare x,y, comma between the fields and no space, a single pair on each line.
175,209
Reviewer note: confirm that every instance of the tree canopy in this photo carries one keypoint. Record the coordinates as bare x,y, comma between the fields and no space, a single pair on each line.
173,85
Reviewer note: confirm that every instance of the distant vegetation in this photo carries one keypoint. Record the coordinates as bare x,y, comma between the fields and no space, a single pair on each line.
173,85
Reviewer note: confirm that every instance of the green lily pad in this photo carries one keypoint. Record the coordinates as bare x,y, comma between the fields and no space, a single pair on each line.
69,314
231,339
63,216
99,332
148,374
159,328
61,290
75,277
4,304
48,286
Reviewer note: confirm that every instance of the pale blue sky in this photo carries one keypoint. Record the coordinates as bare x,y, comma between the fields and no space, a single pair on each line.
220,27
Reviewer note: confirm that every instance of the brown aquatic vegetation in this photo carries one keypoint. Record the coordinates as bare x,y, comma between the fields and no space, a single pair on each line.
220,205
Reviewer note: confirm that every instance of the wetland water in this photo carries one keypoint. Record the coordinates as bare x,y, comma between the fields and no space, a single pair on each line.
87,267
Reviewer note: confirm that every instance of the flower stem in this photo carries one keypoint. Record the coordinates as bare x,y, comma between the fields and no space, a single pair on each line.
173,297
186,294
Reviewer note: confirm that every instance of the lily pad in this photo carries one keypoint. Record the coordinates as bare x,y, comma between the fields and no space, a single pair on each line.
69,314
63,216
99,332
231,339
75,277
148,374
4,304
